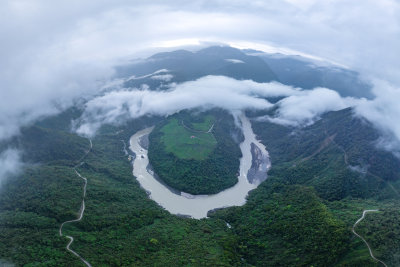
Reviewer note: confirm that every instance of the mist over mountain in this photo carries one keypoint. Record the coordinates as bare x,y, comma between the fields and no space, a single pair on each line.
201,133
215,60
178,78
307,74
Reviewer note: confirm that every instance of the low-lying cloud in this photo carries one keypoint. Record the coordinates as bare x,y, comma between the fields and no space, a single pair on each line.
304,108
384,113
163,77
298,107
9,164
49,58
207,92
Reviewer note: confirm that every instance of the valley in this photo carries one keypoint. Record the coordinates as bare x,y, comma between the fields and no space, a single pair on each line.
196,206
190,187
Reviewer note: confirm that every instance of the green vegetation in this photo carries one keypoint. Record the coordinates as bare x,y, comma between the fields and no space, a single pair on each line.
204,125
121,225
124,227
33,205
382,230
187,144
301,216
286,226
338,157
204,164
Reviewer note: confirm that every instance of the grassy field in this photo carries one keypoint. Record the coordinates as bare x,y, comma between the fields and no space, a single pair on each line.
203,125
187,144
189,159
285,222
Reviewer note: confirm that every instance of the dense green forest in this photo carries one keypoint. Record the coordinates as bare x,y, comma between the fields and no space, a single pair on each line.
121,225
301,215
286,226
338,157
382,231
212,169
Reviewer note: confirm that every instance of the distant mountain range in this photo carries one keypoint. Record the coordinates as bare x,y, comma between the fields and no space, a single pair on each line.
254,65
323,176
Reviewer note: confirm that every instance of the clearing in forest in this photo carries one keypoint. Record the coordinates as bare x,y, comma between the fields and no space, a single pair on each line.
185,143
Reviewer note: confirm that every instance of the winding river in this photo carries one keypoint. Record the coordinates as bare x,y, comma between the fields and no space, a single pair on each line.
197,206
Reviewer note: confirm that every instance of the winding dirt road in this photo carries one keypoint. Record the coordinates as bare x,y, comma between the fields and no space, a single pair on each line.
197,131
81,211
124,149
362,238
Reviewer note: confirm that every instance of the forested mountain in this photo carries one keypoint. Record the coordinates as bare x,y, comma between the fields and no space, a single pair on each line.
304,73
184,65
181,65
323,176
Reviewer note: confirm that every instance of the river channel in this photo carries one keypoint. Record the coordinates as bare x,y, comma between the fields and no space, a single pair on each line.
197,206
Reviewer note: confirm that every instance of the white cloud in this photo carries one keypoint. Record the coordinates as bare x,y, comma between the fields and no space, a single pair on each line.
49,57
234,61
297,107
164,77
148,75
207,92
304,108
9,163
384,113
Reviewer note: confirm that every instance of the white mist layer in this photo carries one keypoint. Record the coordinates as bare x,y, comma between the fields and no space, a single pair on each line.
296,108
207,92
9,163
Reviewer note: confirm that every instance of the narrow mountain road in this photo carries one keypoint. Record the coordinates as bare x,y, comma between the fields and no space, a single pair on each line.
124,149
209,130
81,211
197,131
362,238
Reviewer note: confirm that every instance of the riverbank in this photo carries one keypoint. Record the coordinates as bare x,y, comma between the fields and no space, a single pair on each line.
259,166
196,206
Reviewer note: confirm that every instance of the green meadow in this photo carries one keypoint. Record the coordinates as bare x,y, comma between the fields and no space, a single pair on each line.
189,158
189,144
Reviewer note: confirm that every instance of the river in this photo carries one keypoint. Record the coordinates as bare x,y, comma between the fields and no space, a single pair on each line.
197,206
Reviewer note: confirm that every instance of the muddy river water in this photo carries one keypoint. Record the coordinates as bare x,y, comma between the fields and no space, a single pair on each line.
197,206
